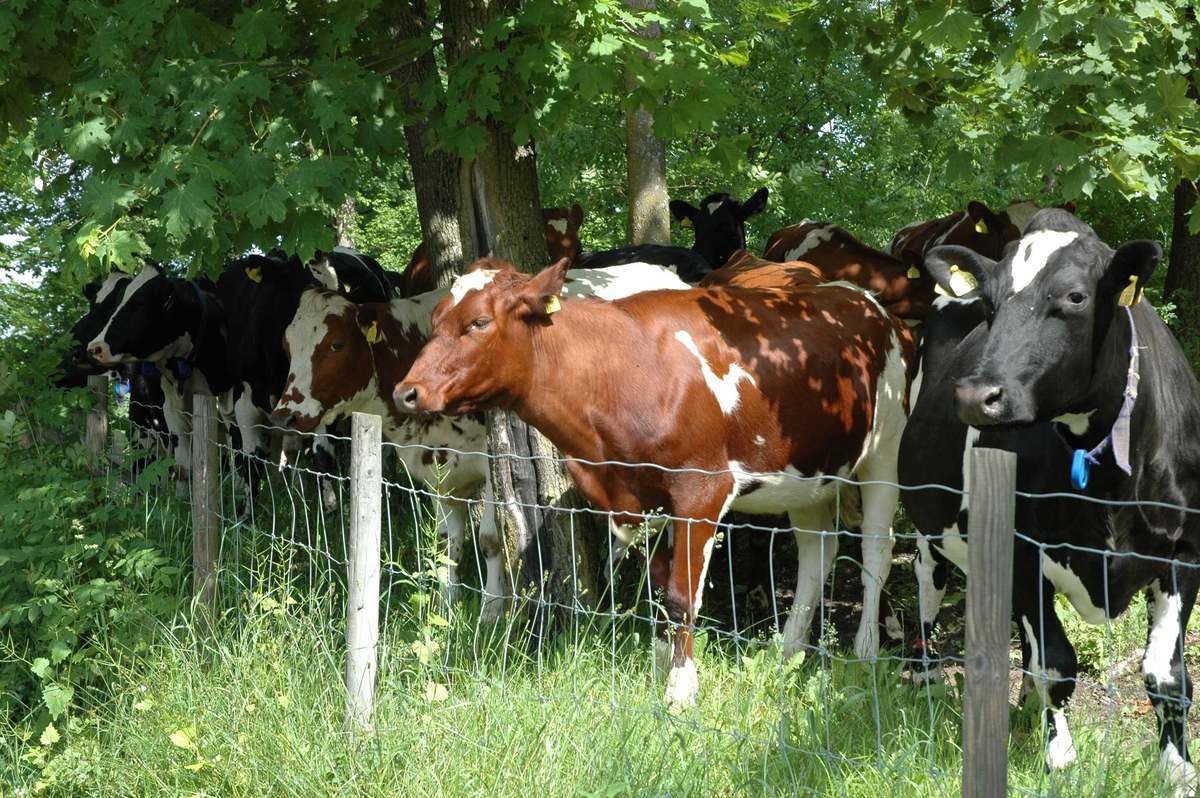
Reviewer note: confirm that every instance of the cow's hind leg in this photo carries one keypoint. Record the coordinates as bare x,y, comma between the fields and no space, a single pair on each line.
1052,665
816,546
1169,604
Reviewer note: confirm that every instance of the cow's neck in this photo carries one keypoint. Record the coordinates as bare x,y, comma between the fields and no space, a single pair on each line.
209,353
566,377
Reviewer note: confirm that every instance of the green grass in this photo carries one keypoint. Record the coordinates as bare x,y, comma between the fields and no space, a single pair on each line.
257,710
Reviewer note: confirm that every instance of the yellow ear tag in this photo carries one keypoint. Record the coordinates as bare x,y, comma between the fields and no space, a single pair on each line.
962,282
346,287
553,305
1130,296
685,222
373,334
255,273
981,226
937,289
913,272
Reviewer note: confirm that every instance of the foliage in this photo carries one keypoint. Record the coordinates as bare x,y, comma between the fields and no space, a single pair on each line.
83,568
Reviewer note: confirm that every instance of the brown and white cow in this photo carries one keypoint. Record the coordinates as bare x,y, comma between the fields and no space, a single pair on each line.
978,228
899,283
345,357
756,400
562,241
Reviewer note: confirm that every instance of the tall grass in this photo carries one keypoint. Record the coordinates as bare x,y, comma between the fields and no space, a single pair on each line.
257,708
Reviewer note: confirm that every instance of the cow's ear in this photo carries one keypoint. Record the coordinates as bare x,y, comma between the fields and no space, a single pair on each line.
367,316
958,271
323,272
1129,271
982,216
90,290
540,297
1069,207
684,212
914,263
576,218
756,204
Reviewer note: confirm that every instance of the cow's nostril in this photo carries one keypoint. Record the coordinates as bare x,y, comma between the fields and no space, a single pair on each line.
410,398
993,397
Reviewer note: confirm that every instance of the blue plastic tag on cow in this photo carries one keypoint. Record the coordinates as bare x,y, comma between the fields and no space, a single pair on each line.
122,389
183,369
149,369
1080,467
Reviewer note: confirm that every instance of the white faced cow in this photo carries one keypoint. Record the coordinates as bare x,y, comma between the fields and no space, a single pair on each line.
1053,357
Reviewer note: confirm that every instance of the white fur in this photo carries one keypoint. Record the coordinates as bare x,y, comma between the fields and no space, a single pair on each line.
682,685
811,241
1066,582
1022,213
1163,642
713,207
725,389
615,282
1076,422
110,284
559,225
324,273
147,274
471,281
1034,251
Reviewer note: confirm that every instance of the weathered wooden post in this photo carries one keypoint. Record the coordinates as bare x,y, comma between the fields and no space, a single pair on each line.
362,570
97,424
989,622
206,526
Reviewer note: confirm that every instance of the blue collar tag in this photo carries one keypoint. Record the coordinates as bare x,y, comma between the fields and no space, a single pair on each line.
1080,467
183,369
122,389
149,369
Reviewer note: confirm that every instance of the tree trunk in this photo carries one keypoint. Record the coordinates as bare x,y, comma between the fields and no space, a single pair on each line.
343,224
1183,270
646,160
443,208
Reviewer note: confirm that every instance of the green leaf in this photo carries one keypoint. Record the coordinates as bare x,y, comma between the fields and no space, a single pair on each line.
40,667
84,141
57,698
106,198
50,735
1193,221
189,207
730,153
1172,93
1113,32
254,28
959,164
1129,172
951,27
185,737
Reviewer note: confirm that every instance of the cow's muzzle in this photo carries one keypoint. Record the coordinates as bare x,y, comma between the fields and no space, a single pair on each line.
981,403
286,418
99,351
407,397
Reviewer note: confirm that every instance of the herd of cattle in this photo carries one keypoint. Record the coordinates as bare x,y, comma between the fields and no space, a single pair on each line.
825,378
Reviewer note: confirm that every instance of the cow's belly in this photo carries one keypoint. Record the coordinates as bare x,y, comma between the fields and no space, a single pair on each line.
778,492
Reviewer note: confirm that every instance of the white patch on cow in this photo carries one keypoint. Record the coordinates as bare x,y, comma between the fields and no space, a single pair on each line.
1065,581
1061,751
811,241
303,335
616,282
1178,771
777,491
147,274
472,281
1076,422
760,440
708,549
1163,641
110,284
683,685
714,206
725,389
1021,213
1034,251
900,236
181,347
951,543
324,273
559,225
966,223
417,312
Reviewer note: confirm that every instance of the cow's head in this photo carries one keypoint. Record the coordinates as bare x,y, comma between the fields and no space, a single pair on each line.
720,223
330,363
103,298
479,355
562,232
1050,303
148,322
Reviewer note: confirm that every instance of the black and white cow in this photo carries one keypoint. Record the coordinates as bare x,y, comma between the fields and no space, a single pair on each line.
1051,356
76,366
720,227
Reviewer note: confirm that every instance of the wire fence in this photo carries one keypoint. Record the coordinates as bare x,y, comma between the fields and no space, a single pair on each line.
827,722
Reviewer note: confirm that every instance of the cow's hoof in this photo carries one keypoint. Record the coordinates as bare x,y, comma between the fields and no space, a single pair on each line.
492,610
866,642
1178,771
892,628
329,498
682,687
1061,750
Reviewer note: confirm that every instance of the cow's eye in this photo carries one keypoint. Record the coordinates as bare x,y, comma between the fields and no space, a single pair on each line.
1076,297
336,347
481,323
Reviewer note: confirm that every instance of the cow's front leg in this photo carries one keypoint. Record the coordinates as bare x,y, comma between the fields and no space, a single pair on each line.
932,570
1051,664
694,538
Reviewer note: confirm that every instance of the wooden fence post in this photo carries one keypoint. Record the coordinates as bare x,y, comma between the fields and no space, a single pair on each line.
362,570
97,424
989,622
206,525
